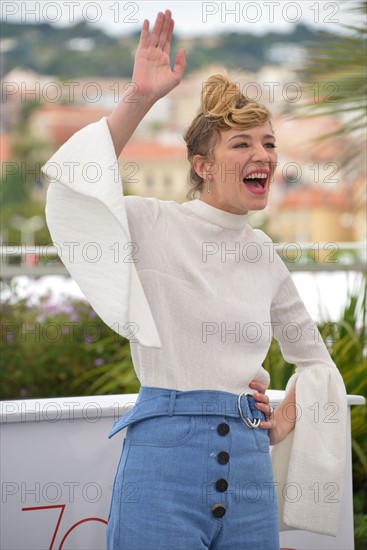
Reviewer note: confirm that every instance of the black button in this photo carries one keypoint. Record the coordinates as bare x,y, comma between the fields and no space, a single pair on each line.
218,510
223,428
223,457
221,485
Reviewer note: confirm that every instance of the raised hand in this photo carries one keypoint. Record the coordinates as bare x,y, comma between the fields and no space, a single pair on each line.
152,76
152,69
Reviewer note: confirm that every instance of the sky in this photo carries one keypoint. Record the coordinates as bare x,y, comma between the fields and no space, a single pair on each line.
192,18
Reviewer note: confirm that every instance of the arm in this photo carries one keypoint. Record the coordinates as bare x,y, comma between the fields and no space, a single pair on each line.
301,344
282,421
152,77
85,206
312,449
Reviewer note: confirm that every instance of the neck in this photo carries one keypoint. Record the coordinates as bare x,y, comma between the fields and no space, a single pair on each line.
217,203
217,216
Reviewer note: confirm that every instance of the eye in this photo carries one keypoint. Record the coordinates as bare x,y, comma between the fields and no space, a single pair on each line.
240,145
270,145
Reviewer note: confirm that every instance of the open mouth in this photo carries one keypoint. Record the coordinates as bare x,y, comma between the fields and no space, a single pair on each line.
256,180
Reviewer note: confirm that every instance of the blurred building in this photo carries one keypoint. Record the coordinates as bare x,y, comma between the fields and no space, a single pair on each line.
57,123
358,217
149,168
5,153
312,197
154,169
311,214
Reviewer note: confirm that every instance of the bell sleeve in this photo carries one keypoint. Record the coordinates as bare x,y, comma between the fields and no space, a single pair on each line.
87,218
309,462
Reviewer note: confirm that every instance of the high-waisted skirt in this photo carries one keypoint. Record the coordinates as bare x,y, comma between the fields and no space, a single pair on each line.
193,475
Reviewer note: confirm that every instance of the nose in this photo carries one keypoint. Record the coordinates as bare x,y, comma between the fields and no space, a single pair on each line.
259,153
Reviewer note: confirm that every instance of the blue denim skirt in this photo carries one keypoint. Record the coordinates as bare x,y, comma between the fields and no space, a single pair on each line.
193,475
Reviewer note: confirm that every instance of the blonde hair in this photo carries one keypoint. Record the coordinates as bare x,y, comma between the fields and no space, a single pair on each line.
222,108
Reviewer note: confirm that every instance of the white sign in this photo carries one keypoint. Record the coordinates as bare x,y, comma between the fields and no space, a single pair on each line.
58,468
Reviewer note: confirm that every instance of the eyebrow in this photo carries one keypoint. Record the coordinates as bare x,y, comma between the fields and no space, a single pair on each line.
247,136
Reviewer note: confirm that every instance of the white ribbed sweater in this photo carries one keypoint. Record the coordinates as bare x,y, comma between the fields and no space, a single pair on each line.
199,294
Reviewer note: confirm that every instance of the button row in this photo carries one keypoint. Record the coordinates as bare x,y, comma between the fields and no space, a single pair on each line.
221,485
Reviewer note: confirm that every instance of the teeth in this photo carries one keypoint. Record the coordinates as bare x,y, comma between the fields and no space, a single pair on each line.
259,175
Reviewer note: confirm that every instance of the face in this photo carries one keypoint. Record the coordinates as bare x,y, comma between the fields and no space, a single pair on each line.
242,168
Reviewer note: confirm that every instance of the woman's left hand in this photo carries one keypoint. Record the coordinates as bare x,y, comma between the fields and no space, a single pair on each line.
262,403
283,421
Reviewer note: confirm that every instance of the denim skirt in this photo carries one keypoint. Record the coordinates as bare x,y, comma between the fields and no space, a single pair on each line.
193,475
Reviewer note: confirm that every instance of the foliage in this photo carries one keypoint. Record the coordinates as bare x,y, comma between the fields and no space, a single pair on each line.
26,209
342,61
21,175
45,347
360,520
335,82
49,50
13,187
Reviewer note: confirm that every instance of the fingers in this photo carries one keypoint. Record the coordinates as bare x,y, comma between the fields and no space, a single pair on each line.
267,424
156,31
268,410
180,63
265,408
161,30
257,386
143,41
165,31
261,398
262,403
167,45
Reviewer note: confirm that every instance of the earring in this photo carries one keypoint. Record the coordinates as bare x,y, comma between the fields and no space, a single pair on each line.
207,185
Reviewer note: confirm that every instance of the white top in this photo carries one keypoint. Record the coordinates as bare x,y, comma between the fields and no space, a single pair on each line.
199,294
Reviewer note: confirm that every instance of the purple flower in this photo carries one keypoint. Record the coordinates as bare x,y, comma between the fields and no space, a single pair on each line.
41,317
98,362
54,309
67,308
23,392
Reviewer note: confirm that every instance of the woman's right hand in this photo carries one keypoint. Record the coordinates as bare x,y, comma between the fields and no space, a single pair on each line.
152,78
152,73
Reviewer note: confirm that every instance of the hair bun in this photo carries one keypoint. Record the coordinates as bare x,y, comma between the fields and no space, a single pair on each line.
219,96
223,107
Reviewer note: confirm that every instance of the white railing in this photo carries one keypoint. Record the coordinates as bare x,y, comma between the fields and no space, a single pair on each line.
37,261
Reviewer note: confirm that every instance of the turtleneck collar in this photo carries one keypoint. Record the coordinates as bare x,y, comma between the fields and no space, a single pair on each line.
216,215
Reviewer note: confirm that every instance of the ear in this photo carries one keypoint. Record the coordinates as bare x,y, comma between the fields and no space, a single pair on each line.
201,166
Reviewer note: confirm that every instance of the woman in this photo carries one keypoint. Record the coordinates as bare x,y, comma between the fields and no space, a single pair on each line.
199,294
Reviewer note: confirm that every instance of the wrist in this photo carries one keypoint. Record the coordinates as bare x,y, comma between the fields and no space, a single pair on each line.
140,92
134,103
126,116
283,424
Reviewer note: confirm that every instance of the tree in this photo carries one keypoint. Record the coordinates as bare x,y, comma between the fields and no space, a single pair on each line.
335,81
